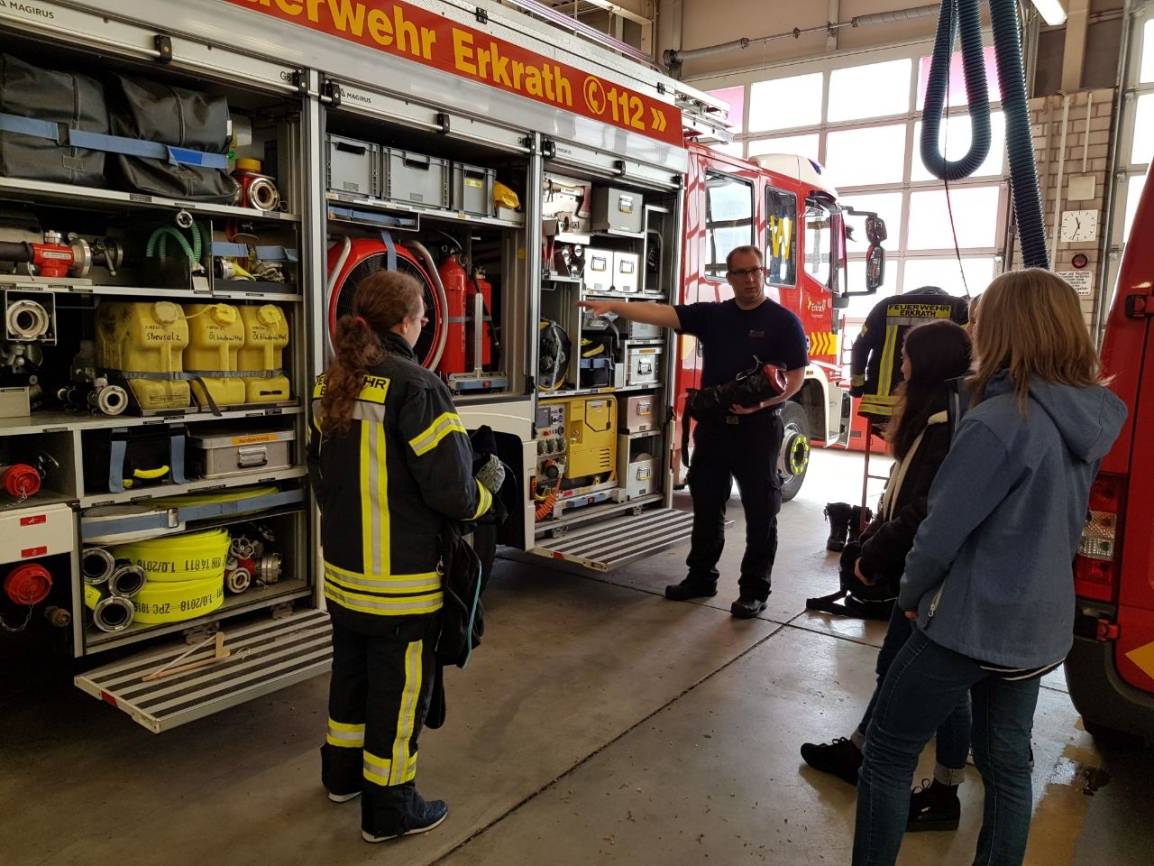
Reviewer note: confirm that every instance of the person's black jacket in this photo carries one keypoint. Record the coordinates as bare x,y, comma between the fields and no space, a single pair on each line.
889,537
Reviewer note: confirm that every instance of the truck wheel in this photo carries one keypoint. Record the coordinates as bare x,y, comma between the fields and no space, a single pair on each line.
1110,736
793,461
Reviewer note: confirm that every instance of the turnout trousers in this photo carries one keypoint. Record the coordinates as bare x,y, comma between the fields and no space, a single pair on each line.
746,451
382,678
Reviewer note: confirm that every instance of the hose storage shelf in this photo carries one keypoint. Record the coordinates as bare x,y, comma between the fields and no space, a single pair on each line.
125,523
56,422
93,197
164,491
383,206
43,285
285,590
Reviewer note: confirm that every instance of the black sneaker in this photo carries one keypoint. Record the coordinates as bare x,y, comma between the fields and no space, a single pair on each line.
934,806
840,758
690,588
746,607
431,814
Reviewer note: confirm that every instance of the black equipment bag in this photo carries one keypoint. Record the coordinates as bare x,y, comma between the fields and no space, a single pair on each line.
66,98
180,118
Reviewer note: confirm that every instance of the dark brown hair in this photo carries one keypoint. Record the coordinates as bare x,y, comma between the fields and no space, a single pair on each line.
383,300
745,250
938,352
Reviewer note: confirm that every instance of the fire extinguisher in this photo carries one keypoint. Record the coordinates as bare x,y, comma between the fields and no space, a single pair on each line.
479,285
455,279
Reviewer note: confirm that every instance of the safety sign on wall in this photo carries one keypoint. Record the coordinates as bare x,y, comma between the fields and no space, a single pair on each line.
413,33
1082,281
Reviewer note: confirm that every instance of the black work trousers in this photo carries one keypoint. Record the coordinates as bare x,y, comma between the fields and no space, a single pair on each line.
745,451
378,697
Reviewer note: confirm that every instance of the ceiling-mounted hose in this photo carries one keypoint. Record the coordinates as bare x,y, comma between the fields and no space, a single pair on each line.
1012,81
960,17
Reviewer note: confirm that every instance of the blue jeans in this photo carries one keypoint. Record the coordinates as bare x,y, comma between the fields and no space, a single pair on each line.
953,735
924,685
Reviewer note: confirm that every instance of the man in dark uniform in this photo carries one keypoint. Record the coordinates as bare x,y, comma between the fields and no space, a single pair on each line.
745,445
876,361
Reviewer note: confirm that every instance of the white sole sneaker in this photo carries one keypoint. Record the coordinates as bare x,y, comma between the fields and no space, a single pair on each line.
343,798
369,837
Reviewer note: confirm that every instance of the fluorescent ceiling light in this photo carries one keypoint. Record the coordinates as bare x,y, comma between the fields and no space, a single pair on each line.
1052,11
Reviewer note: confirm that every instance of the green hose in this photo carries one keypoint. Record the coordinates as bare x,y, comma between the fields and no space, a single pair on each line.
158,243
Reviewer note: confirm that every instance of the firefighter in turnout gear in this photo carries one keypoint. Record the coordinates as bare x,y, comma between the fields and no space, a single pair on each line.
391,463
876,361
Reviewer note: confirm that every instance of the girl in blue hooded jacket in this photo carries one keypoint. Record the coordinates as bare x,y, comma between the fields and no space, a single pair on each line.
989,579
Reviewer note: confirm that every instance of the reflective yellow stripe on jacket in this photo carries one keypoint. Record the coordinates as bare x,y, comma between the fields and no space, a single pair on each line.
431,436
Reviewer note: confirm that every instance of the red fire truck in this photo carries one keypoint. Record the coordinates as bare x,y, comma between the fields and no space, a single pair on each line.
1111,667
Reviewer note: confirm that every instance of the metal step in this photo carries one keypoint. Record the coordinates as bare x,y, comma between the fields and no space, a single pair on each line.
611,544
265,656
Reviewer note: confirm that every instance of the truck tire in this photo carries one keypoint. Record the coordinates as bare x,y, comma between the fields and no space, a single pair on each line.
793,462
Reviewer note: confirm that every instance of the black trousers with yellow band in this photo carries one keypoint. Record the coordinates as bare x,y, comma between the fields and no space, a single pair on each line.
382,679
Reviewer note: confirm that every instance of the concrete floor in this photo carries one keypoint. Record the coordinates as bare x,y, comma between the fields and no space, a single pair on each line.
598,723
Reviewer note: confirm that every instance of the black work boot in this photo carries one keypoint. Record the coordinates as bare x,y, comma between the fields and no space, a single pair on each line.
839,515
859,519
690,588
840,758
747,607
934,806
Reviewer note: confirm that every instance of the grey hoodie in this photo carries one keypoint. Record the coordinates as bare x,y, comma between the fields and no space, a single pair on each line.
990,570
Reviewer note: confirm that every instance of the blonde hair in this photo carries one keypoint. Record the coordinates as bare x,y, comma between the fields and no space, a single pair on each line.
1031,326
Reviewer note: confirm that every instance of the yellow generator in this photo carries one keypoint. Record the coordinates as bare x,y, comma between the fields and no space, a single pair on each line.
266,334
577,442
215,338
145,342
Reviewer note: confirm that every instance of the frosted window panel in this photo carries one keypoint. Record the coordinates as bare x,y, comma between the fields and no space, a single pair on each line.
954,142
798,145
1147,72
857,157
785,103
734,97
887,205
876,90
945,274
957,95
860,307
1133,196
1142,149
975,212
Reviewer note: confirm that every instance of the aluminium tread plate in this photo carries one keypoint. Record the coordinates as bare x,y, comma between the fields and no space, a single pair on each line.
605,546
266,656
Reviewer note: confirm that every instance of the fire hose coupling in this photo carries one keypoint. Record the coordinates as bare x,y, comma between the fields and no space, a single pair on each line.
126,580
28,584
269,568
96,565
111,613
27,320
20,481
237,577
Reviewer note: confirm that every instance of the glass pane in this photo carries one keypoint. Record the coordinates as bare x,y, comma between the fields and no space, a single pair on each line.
860,306
1143,148
733,148
856,157
785,103
1147,71
734,97
957,84
781,237
887,205
945,274
975,211
1133,196
728,219
818,240
954,141
798,145
876,90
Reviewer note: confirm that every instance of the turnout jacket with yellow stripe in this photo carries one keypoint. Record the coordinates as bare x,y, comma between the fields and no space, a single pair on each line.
386,486
876,359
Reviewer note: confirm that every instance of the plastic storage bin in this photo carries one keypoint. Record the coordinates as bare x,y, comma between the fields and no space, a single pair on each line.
352,166
472,191
414,178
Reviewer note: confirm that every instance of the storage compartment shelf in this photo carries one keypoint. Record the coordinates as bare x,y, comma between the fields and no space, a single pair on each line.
603,389
383,206
123,524
165,490
19,189
40,500
254,599
55,420
46,285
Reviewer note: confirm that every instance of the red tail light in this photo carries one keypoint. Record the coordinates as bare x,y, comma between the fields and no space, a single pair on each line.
1097,562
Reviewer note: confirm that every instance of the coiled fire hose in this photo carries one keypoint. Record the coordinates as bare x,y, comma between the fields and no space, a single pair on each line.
184,575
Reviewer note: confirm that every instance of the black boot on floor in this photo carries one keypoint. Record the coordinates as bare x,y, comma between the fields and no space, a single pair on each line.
840,758
747,607
839,515
690,588
934,806
859,519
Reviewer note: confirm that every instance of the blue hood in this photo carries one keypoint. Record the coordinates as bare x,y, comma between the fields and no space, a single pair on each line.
1088,419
